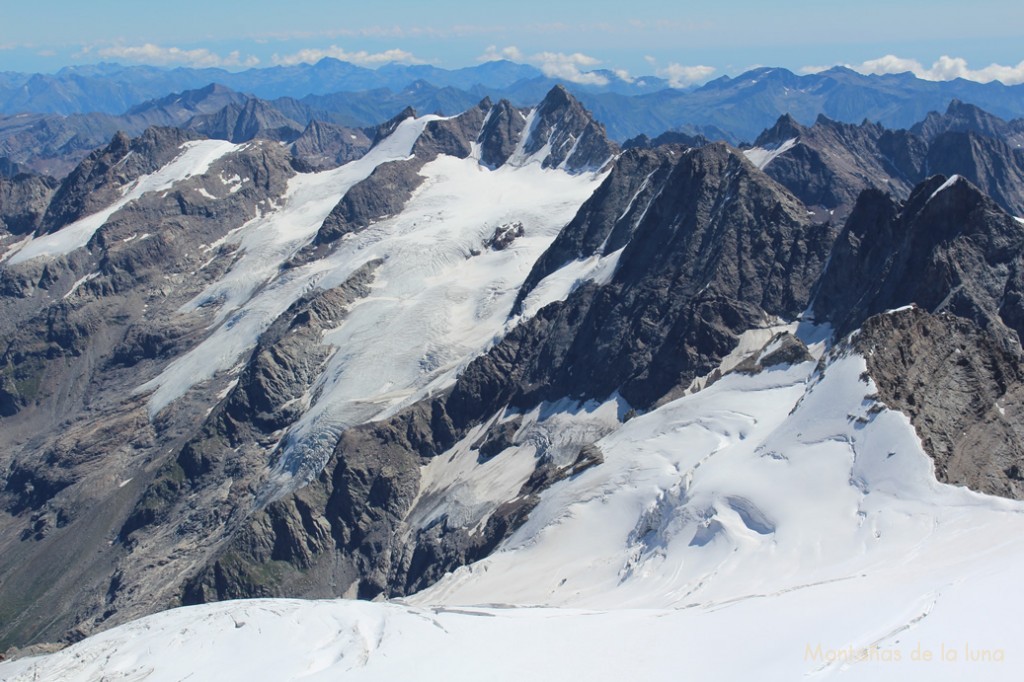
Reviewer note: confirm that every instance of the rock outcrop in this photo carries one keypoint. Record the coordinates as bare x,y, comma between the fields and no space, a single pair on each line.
572,138
720,249
200,498
322,146
962,389
98,180
23,201
243,122
948,249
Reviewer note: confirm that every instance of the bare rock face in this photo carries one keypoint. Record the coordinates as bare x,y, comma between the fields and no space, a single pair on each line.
831,163
452,136
990,163
501,133
82,331
23,201
962,117
322,146
491,127
670,137
607,220
391,125
952,363
720,248
709,244
196,503
962,390
239,436
96,182
383,193
577,142
243,122
948,249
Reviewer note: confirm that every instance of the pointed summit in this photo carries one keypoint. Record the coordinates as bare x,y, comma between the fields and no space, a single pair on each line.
98,180
326,145
934,251
501,131
238,123
385,129
453,136
965,118
785,128
575,140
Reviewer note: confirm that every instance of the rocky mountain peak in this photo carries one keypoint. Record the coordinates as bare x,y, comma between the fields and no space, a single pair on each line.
243,122
205,100
500,134
785,128
325,145
935,251
659,270
23,201
385,129
119,144
962,117
452,136
576,141
98,179
987,160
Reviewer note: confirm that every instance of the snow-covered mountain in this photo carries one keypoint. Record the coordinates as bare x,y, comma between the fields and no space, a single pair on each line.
778,524
638,412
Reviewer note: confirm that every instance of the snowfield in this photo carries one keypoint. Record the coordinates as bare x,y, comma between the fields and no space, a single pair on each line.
762,156
782,525
440,298
195,159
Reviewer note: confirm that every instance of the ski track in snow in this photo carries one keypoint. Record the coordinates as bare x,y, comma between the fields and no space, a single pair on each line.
691,548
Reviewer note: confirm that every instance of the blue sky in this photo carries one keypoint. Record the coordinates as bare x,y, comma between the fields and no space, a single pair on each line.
685,41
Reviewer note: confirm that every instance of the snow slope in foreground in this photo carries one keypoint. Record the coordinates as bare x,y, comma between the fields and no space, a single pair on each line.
776,526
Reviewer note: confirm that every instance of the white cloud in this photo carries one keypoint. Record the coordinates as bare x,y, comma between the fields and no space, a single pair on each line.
162,56
623,75
813,69
945,68
361,57
568,67
493,54
681,76
560,65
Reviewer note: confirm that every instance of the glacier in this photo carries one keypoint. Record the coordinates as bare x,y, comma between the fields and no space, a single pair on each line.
779,525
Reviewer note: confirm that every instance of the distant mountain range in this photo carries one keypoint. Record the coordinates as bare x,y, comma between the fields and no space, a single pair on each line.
495,359
730,109
113,89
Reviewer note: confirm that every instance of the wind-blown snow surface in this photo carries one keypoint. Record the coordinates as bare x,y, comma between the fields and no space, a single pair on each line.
775,526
